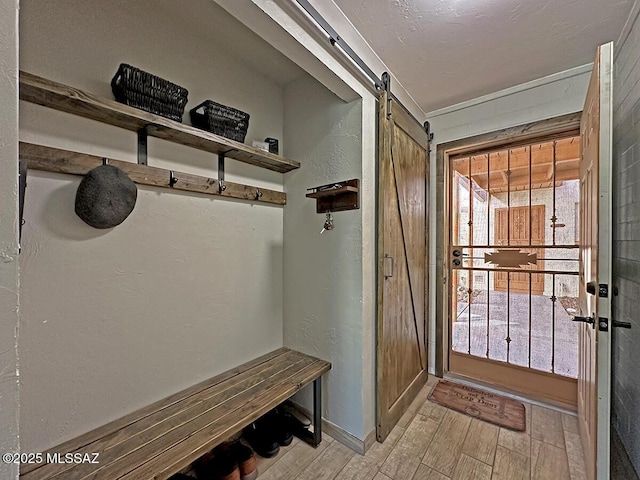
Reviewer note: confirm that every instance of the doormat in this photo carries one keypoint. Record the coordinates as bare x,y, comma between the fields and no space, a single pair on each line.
496,409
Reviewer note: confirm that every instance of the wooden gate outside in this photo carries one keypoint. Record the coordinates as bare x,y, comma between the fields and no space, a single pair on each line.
516,222
402,263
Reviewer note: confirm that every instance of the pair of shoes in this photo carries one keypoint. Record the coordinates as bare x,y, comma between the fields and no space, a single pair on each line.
228,461
269,433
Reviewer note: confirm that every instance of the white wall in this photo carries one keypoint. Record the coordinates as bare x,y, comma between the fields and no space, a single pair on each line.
189,285
296,37
323,281
548,97
9,385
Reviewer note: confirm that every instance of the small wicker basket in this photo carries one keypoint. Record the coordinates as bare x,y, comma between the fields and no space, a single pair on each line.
221,120
140,89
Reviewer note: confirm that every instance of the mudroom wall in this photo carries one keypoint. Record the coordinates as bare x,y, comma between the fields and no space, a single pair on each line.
189,285
9,281
323,272
626,236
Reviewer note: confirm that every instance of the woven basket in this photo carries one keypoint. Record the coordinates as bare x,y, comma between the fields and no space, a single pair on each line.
139,89
221,120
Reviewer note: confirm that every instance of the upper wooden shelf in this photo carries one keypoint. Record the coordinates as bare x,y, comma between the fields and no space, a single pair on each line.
61,97
332,192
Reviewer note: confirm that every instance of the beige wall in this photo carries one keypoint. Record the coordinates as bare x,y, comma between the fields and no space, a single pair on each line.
189,285
323,282
9,385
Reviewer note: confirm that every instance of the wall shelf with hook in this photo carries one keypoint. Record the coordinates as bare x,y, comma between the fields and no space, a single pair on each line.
56,160
61,97
337,196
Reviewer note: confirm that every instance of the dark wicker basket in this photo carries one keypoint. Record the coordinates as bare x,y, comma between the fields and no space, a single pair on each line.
139,89
221,120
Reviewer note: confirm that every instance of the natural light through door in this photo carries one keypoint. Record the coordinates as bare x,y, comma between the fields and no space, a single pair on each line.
514,223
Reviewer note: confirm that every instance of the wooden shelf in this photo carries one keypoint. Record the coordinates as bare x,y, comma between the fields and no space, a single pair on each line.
61,97
329,199
332,192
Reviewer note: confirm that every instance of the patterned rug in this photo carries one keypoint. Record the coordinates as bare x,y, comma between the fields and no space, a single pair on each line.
486,406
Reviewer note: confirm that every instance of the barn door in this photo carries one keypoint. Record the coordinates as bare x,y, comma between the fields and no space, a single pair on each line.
402,263
594,383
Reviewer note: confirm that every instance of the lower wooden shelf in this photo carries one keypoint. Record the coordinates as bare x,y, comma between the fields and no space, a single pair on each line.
56,160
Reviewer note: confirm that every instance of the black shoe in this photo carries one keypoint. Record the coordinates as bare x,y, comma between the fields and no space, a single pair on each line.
280,425
262,440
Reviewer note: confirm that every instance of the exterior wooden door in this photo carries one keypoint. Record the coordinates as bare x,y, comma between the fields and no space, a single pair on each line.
594,382
402,263
517,218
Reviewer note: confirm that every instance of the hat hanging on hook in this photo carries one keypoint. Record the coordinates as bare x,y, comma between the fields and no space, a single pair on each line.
105,197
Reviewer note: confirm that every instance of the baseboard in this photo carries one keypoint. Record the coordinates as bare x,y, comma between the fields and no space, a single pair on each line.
370,440
341,435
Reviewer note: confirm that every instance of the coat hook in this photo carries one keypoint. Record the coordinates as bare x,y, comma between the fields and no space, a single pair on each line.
258,194
105,161
221,186
172,179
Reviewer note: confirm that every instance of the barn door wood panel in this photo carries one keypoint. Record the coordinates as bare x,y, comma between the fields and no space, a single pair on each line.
402,264
518,219
594,364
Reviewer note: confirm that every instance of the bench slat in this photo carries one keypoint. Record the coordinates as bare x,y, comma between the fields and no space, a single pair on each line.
150,427
201,428
192,448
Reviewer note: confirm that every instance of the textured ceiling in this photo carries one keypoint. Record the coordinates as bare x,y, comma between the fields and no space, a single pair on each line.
447,51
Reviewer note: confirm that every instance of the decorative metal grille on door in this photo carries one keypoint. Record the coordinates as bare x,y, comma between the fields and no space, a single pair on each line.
514,255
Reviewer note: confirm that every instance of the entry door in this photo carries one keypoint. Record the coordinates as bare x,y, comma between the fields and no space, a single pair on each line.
402,263
512,227
594,383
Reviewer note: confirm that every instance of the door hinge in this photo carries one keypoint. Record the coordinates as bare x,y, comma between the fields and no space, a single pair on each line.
603,324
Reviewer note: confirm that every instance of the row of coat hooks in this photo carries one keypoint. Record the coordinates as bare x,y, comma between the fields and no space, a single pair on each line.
39,157
173,180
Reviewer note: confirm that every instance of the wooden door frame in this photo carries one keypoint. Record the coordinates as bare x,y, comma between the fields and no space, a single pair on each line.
545,130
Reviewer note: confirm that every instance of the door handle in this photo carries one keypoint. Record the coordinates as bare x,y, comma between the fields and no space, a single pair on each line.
387,256
591,288
589,320
618,324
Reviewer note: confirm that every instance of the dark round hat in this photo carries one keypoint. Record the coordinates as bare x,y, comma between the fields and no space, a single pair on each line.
106,196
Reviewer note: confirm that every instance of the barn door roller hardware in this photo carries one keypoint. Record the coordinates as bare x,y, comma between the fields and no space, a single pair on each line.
337,40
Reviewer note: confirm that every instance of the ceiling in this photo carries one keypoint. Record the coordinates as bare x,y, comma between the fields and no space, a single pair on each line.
448,51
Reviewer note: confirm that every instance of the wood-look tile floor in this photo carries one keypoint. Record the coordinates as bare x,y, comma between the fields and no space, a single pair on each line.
432,442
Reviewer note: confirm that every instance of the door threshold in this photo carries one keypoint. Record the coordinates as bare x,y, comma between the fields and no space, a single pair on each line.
472,382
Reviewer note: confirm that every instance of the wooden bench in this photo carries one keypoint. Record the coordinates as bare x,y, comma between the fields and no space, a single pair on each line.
159,440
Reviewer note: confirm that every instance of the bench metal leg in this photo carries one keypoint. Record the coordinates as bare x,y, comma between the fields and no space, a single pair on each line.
317,411
314,438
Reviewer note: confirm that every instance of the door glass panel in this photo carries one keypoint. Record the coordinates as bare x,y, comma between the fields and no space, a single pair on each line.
519,319
566,330
461,310
497,319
